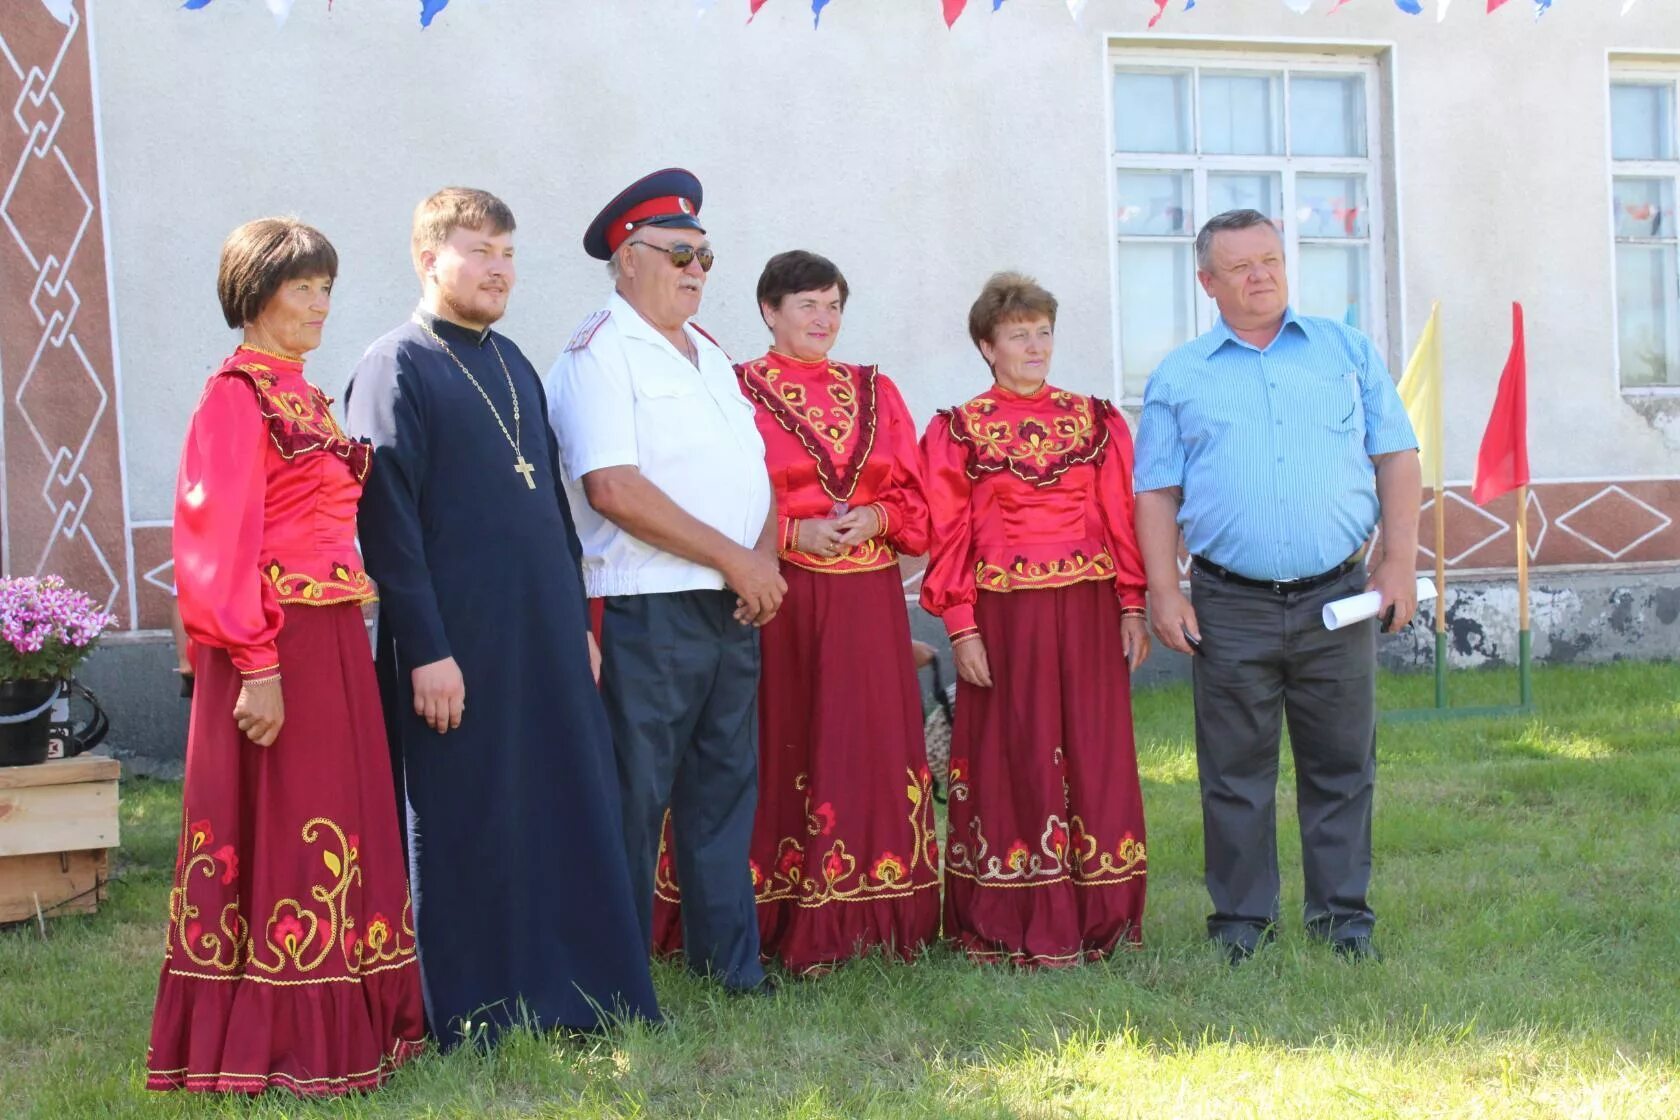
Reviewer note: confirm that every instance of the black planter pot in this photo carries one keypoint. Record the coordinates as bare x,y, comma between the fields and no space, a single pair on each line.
23,741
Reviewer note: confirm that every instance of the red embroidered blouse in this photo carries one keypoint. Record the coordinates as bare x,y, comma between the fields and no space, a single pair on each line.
1027,493
838,434
265,509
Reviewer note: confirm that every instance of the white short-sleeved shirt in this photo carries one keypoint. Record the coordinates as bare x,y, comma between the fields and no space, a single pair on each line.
622,395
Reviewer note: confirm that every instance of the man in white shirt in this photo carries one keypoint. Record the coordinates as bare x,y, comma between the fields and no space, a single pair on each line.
664,466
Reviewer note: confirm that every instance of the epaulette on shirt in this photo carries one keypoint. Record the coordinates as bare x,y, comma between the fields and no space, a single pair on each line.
587,330
708,336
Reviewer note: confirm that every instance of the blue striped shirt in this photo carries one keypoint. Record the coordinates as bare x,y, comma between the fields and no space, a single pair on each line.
1272,448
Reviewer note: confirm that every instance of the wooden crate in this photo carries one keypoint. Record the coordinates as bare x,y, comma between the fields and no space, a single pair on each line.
57,821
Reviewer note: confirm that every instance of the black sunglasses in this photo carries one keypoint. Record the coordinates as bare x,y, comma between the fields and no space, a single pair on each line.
683,255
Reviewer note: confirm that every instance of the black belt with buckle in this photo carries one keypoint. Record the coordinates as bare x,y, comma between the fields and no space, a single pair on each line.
1277,586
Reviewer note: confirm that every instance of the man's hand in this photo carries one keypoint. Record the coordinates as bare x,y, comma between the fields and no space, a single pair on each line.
1134,639
260,711
859,525
1172,617
1395,580
755,577
820,537
440,694
972,664
594,655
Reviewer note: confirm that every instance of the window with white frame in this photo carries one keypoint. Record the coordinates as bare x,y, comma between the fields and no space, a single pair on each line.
1195,135
1644,179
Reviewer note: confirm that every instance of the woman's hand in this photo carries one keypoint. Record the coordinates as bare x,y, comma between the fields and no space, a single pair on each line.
1134,639
819,537
859,525
594,655
260,711
972,665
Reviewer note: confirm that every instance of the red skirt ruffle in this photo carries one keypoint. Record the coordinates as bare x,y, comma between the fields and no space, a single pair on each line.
1045,861
289,961
844,853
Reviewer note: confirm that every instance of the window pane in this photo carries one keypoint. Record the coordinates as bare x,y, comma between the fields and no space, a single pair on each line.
1327,115
1648,314
1331,206
1641,121
1333,283
1156,314
1242,114
1245,190
1152,111
1644,208
1154,202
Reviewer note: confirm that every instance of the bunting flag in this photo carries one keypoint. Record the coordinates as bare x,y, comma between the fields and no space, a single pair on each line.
1420,392
952,9
1502,462
1627,6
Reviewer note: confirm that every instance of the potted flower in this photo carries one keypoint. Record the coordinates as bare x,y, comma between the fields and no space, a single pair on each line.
46,630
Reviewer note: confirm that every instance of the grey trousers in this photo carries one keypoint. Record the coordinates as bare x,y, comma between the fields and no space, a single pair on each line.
679,677
1266,657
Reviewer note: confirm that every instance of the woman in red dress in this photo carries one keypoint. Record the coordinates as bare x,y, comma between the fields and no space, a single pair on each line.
1035,570
289,961
844,854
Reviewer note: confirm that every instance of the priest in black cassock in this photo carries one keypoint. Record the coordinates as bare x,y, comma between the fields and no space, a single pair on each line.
522,900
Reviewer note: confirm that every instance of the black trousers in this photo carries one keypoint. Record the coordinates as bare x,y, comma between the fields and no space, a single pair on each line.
680,680
1267,657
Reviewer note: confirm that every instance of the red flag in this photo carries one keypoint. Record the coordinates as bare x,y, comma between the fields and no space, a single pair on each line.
1492,4
755,5
1502,463
953,9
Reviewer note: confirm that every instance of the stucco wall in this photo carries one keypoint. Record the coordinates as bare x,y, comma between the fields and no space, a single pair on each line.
921,159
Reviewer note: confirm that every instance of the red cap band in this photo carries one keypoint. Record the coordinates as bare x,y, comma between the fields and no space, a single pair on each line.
669,206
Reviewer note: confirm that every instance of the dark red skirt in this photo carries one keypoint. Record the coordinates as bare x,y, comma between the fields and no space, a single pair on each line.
844,852
289,961
1044,858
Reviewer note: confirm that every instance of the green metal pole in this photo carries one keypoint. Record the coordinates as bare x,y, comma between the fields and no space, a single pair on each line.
1440,666
1525,682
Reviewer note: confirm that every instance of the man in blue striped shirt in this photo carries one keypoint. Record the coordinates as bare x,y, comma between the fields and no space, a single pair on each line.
1276,443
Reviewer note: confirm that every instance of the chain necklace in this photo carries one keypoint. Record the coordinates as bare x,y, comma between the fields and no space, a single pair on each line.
521,465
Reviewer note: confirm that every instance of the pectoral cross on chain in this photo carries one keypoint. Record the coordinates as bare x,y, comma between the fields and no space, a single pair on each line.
523,466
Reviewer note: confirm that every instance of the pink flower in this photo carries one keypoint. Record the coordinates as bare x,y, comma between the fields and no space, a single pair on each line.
824,814
229,859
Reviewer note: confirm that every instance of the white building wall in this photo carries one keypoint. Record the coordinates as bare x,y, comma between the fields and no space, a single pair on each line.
921,159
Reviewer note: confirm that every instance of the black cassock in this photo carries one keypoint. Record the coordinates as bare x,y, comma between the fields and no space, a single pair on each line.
522,901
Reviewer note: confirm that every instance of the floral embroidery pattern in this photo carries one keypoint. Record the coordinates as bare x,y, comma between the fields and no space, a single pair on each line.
870,556
1025,575
297,938
838,875
299,423
1063,850
1038,449
347,585
838,434
842,878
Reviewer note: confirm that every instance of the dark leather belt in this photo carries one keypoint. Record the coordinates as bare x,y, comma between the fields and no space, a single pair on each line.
1276,586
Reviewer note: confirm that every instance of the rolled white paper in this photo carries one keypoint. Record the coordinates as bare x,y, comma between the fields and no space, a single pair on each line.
1357,608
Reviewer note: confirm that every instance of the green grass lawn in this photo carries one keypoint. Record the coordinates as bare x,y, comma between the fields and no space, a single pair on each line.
1529,908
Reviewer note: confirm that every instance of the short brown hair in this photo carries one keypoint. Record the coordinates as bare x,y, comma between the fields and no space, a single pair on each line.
796,270
455,208
1008,297
260,256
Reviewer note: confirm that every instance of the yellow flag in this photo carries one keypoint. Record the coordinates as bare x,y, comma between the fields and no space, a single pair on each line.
1420,391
